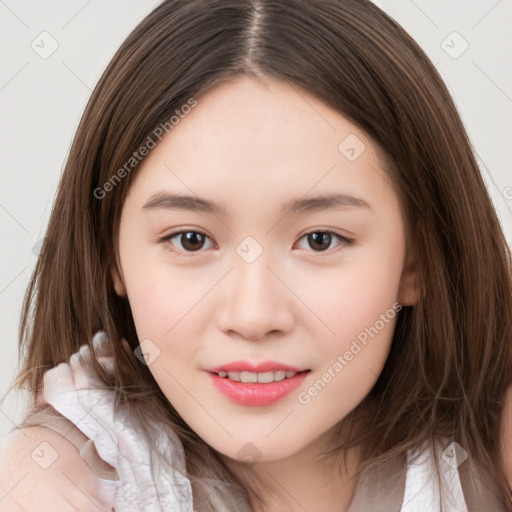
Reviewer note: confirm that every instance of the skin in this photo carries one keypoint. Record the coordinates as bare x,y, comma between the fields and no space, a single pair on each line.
251,147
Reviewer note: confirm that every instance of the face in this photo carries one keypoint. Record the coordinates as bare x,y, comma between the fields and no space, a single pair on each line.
313,287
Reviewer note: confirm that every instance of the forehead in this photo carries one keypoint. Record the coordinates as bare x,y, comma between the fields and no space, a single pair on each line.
261,120
270,139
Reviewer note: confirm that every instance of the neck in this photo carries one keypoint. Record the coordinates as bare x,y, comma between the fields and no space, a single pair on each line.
302,481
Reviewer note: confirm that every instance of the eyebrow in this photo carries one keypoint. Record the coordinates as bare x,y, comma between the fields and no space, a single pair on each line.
170,201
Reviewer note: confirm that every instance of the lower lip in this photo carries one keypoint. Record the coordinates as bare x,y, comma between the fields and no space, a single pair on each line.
253,393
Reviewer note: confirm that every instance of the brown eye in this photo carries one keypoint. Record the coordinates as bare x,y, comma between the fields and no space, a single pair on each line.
192,240
321,241
186,242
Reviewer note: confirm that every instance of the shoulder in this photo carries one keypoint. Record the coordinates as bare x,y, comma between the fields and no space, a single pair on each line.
41,468
506,434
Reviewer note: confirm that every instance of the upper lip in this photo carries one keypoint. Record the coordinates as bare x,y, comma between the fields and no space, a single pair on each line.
265,366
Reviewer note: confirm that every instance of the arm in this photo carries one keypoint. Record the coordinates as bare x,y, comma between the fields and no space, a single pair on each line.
506,435
41,470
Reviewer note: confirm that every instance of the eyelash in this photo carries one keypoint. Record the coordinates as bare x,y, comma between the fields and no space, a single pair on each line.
346,241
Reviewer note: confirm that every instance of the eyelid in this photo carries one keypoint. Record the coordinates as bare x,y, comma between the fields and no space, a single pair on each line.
345,241
167,238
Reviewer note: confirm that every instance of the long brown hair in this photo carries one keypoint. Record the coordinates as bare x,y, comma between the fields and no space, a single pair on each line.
451,356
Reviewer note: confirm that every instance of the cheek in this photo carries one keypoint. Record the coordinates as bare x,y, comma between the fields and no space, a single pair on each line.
168,307
358,308
160,293
351,298
361,313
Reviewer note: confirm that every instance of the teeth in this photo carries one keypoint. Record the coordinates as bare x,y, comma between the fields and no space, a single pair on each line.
248,377
266,377
263,378
280,375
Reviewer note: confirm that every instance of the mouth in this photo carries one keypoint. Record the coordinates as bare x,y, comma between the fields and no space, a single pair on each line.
263,367
258,377
257,388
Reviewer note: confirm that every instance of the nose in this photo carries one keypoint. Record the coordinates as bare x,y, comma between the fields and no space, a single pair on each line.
257,302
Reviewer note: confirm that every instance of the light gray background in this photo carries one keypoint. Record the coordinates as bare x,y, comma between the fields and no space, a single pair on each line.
42,99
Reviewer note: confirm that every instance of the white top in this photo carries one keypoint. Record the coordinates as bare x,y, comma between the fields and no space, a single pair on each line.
422,487
70,389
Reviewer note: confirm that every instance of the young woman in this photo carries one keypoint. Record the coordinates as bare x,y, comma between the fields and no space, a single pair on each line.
273,279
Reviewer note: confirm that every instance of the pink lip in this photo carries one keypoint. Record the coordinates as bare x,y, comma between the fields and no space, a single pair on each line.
246,366
254,393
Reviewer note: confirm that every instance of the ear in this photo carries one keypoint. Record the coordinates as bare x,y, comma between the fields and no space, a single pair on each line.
117,280
409,294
